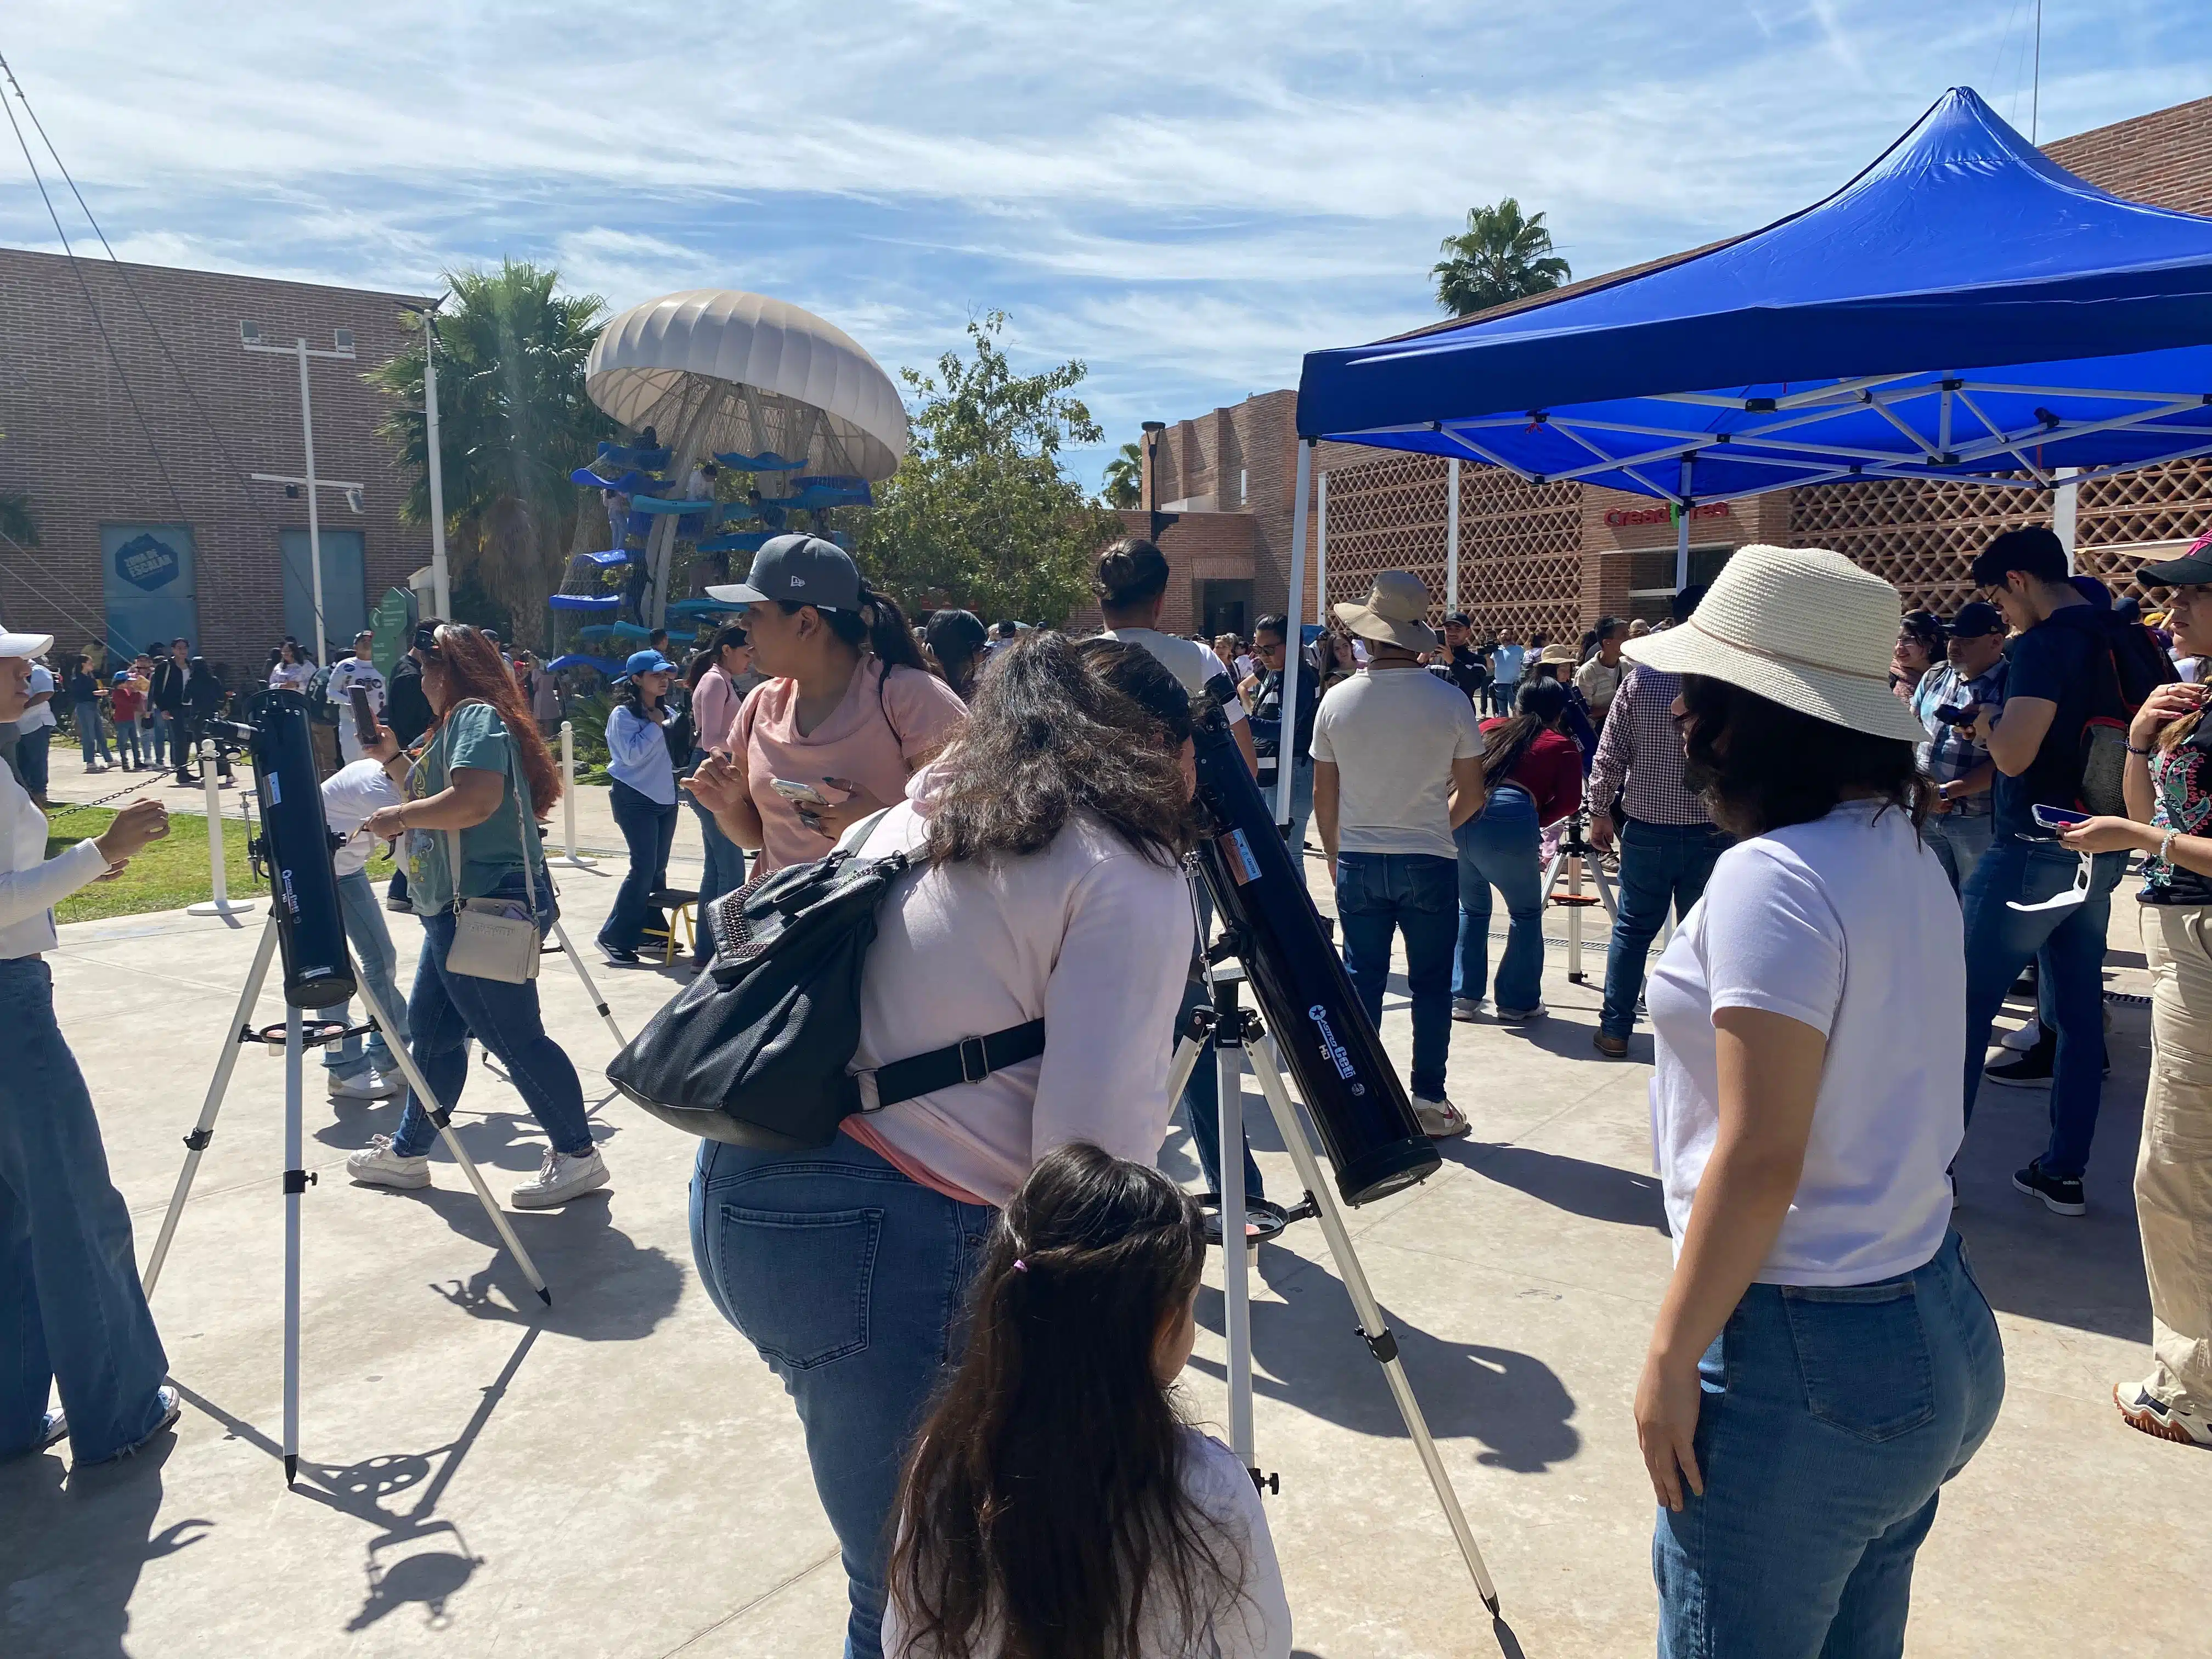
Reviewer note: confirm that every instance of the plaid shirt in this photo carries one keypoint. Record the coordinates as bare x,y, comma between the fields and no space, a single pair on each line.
1639,754
1949,754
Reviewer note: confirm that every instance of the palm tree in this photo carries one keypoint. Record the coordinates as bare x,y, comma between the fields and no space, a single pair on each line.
512,421
1500,255
1125,478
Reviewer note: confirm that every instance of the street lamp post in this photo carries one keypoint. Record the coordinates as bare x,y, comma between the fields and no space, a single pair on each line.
441,591
251,340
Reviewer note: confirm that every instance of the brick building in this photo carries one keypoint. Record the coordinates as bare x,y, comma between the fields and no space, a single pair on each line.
136,476
1554,558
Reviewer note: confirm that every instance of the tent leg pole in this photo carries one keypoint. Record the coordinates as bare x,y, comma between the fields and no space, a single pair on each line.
1286,760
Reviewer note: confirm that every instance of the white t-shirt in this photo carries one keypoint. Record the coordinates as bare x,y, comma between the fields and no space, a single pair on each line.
1192,663
1846,924
1257,1626
349,795
1393,734
346,674
294,675
38,719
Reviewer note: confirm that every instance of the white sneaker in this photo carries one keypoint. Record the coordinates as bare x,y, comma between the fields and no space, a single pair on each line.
1469,1008
97,766
1440,1119
371,1084
377,1165
559,1178
1522,1016
2020,1040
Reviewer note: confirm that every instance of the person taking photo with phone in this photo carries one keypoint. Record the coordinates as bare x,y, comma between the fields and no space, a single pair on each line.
643,796
71,1309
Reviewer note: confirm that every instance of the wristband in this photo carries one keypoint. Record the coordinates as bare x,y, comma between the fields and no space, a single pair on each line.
2165,849
2145,753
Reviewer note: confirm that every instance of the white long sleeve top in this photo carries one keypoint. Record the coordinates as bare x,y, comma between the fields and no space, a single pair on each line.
30,884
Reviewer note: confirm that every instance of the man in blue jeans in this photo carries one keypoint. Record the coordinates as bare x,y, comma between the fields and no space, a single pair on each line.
2056,684
1398,767
1669,844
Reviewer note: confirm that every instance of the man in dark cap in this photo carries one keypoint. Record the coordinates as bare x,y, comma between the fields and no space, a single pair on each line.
1970,680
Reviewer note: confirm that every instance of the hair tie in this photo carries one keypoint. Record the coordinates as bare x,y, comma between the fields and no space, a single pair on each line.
1020,1266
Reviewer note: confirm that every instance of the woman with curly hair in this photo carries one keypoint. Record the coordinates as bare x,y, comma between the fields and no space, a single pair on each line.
470,820
1046,906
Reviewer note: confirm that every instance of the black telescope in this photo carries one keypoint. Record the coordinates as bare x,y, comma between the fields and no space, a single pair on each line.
1367,1124
296,846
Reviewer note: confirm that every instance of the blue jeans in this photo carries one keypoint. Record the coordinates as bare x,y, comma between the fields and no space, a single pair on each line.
31,759
90,731
1958,843
649,830
448,1009
1201,1104
376,959
180,750
1661,864
1378,893
71,1309
1498,849
851,1281
126,742
1301,804
2000,940
725,873
154,736
1831,1419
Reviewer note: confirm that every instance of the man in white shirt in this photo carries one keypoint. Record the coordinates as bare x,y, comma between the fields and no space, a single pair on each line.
1398,767
349,795
348,673
1506,659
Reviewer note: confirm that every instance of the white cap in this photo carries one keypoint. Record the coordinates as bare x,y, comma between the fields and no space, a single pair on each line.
25,645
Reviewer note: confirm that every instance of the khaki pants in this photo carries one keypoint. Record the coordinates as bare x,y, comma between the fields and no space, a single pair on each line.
2173,1173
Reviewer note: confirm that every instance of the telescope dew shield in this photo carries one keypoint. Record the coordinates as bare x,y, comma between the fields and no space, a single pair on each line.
303,888
1367,1124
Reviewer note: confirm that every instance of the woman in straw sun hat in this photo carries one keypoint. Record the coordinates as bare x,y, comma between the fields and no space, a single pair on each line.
1823,1360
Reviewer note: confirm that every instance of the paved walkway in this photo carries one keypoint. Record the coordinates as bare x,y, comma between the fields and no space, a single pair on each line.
621,1476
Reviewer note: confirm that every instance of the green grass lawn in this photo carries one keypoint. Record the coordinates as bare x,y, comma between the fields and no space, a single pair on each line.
168,875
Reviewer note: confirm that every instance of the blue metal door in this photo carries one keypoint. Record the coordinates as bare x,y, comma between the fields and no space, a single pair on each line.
345,592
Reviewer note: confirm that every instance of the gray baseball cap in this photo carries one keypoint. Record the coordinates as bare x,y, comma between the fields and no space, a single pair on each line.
804,570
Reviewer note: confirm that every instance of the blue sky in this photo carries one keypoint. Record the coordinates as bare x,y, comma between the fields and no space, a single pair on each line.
1187,197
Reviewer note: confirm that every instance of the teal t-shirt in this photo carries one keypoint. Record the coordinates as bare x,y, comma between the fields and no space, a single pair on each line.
473,736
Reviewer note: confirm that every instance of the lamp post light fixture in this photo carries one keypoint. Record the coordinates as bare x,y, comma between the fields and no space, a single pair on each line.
1152,430
441,594
250,339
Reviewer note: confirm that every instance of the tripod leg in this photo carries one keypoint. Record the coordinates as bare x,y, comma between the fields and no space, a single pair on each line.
296,1183
1229,1055
440,1115
1379,1340
591,990
1180,1065
203,1133
1575,921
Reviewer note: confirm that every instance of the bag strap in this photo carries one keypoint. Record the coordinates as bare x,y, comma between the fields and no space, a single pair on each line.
523,833
968,1061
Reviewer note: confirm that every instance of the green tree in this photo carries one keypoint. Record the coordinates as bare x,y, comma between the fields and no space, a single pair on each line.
981,514
1125,475
1500,255
512,421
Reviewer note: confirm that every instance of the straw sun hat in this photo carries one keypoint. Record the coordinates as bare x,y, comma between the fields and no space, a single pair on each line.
1802,627
1396,603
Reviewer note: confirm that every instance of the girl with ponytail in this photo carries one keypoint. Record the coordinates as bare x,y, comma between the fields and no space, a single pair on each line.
849,712
1056,1504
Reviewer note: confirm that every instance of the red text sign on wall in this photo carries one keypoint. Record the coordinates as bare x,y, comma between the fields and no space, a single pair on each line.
1620,520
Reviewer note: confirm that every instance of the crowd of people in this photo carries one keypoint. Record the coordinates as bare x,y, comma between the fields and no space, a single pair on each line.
1864,825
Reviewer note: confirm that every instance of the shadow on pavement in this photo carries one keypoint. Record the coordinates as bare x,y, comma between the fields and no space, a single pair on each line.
73,1549
1307,1355
1599,1191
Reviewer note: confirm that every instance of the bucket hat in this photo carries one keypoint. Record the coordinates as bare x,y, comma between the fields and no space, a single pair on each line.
1396,603
1802,627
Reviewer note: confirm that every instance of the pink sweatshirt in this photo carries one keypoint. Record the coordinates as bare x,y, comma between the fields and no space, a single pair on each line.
1089,935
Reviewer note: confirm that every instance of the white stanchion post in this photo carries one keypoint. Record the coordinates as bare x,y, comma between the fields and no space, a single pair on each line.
569,856
221,905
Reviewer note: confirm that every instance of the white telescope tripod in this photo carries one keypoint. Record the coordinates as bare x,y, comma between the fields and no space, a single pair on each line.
1240,1040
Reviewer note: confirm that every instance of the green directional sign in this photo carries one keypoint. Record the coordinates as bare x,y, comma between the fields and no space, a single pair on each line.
393,623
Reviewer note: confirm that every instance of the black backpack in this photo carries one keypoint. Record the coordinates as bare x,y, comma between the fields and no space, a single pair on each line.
758,1051
2127,664
320,708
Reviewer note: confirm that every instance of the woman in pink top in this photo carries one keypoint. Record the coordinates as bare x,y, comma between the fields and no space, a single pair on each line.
849,710
1045,889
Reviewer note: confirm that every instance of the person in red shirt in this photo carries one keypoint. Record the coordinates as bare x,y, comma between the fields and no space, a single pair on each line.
1533,773
126,702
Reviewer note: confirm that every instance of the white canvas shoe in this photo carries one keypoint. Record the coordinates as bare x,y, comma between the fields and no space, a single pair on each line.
559,1178
371,1084
1440,1119
377,1165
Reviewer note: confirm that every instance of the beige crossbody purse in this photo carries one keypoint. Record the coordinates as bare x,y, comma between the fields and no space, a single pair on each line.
488,942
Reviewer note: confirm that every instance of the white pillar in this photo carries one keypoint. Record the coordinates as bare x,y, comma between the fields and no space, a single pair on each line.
1320,556
1287,747
221,905
568,854
442,588
322,651
2064,512
1451,536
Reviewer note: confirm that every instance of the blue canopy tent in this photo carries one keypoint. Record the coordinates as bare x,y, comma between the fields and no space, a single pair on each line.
1965,308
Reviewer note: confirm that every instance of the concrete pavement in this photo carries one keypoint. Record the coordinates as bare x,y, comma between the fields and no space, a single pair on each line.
621,1476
